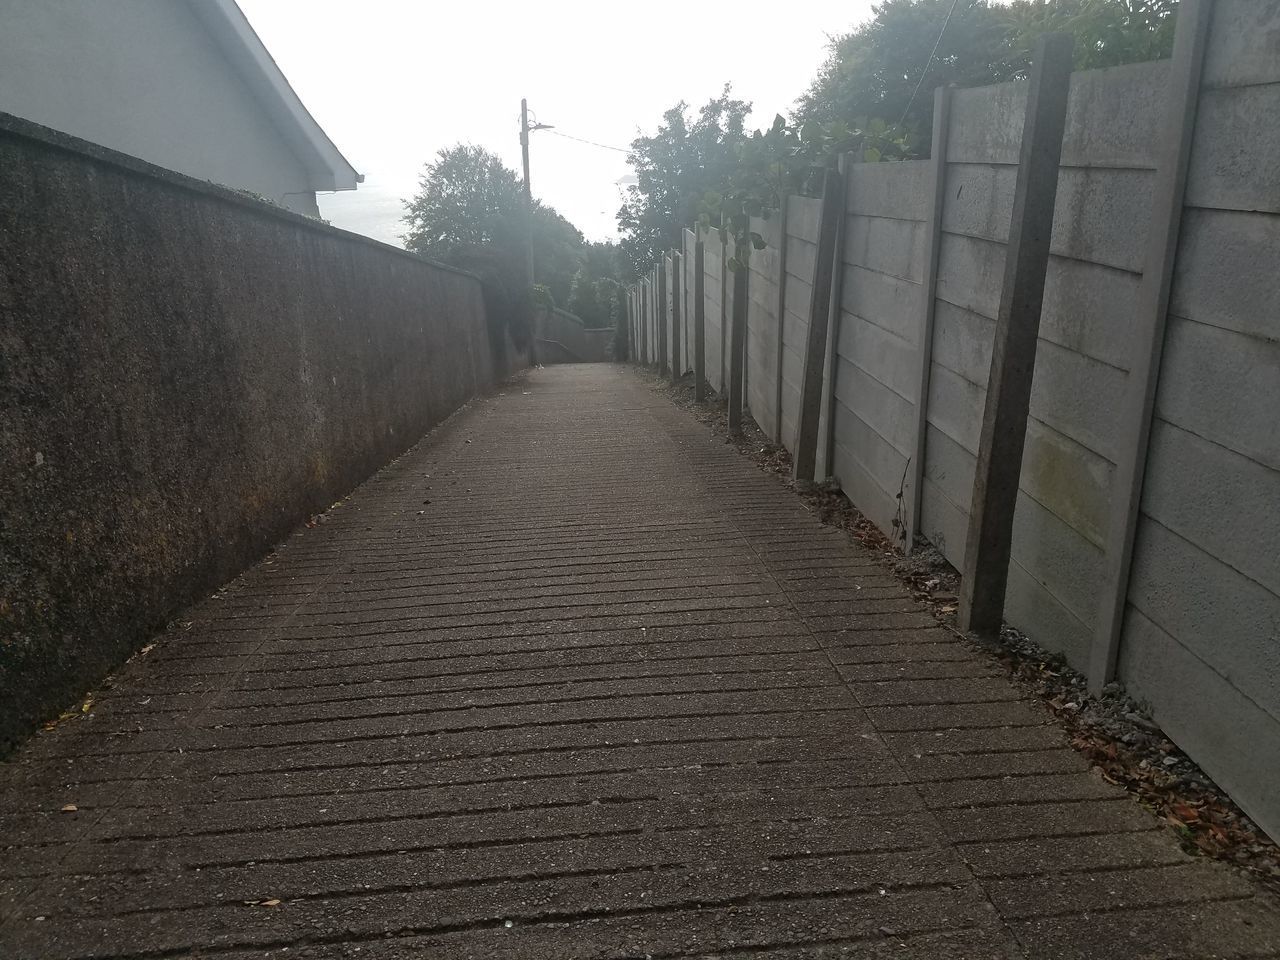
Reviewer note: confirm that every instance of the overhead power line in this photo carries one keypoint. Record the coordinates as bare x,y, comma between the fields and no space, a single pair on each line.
590,143
928,63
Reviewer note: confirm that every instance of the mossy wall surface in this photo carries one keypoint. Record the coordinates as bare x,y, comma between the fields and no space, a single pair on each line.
185,375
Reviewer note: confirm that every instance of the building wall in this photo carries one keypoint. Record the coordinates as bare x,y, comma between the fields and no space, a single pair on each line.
186,375
144,77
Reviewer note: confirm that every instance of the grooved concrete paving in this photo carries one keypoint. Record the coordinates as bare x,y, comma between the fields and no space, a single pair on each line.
573,679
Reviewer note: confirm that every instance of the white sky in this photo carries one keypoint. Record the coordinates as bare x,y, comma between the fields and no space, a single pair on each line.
393,81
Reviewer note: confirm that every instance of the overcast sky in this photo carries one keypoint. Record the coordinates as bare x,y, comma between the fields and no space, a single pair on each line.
393,81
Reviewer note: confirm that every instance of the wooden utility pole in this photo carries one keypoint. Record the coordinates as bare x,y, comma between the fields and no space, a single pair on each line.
528,190
1013,356
525,129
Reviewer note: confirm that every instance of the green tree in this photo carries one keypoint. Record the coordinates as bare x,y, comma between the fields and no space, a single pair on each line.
872,97
674,169
594,298
879,69
1107,32
874,70
469,212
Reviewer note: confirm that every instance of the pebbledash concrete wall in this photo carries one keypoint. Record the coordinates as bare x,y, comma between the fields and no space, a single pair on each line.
185,375
1201,636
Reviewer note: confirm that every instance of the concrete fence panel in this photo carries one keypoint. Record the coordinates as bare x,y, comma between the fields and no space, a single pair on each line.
804,215
1199,612
714,269
762,326
1101,218
1200,633
982,143
883,266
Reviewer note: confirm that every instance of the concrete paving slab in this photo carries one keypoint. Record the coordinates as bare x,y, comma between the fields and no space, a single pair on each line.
572,679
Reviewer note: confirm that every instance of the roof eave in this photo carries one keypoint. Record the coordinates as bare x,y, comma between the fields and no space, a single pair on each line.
327,168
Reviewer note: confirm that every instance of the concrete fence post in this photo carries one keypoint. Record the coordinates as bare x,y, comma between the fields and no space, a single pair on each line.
647,289
1149,322
677,326
656,337
673,326
746,351
655,344
660,314
686,316
781,316
724,317
659,332
928,309
640,322
699,321
827,416
806,442
737,348
1013,354
650,290
651,294
677,274
640,301
690,241
644,321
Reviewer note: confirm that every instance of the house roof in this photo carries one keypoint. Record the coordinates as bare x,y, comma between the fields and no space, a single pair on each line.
327,167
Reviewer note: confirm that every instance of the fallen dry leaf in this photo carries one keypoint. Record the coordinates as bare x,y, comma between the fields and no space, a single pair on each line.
70,808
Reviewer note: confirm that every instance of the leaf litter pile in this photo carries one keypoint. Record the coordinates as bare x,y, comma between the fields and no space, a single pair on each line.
1116,735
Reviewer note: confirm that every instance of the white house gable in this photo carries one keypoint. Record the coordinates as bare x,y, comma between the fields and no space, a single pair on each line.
184,85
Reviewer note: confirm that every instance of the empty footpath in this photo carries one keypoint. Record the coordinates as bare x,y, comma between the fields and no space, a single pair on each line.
573,679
